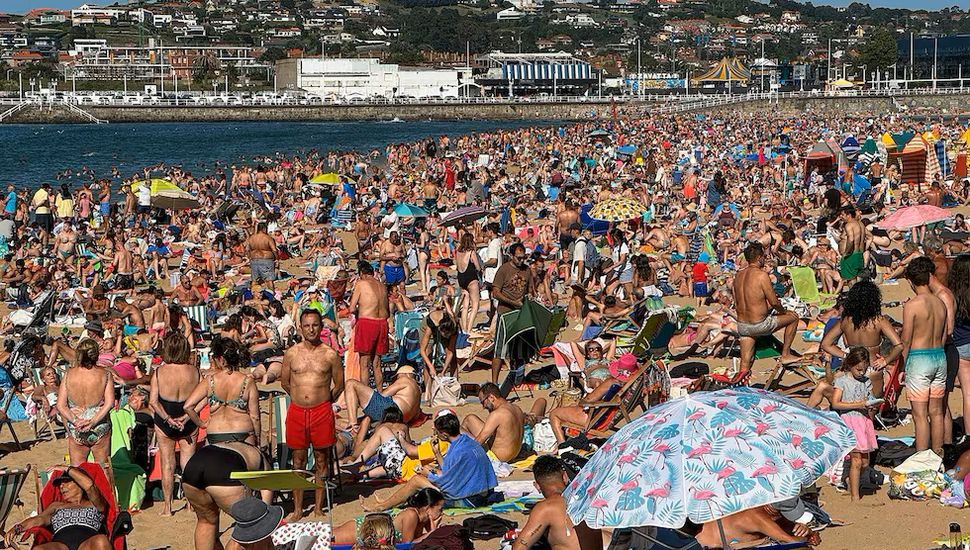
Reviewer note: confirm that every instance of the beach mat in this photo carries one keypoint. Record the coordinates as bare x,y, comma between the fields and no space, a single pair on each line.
518,504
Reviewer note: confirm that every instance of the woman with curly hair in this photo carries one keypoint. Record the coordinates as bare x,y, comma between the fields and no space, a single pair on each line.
863,325
959,283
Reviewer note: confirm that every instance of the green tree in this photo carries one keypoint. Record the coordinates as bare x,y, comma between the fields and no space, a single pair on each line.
880,50
204,69
272,54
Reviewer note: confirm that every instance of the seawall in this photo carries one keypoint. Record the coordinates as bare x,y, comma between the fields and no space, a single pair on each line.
935,104
154,113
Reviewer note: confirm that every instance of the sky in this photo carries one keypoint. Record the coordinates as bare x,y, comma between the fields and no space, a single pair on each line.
20,6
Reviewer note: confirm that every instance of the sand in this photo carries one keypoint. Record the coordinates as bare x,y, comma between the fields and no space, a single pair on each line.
875,522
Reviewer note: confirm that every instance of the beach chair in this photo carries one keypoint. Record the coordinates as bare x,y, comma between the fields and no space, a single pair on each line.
644,334
806,370
11,482
199,316
888,414
810,302
118,522
605,415
6,399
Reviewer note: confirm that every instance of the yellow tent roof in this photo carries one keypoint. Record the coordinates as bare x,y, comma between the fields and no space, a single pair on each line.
157,184
843,83
966,136
727,69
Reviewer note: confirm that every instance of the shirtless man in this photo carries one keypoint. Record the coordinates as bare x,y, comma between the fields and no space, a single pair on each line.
564,220
313,376
431,193
186,294
755,298
404,392
549,519
851,246
262,254
134,316
125,278
392,259
97,305
501,432
924,335
369,303
945,295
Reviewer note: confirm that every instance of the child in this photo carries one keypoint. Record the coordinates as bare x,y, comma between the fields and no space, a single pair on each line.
699,278
850,398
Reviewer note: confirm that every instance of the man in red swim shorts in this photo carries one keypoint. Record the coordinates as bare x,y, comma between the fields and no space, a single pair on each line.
369,303
314,378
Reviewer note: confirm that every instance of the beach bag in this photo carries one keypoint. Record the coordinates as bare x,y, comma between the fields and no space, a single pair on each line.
488,527
568,397
893,453
445,392
918,478
446,537
543,437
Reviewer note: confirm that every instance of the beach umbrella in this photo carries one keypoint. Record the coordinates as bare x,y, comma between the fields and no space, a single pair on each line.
598,133
154,183
408,210
706,456
868,153
522,332
464,215
329,178
850,146
171,197
617,210
900,139
914,216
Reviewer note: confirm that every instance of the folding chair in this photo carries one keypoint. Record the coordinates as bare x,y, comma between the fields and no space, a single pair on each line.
808,378
199,315
11,482
7,396
605,415
805,286
888,414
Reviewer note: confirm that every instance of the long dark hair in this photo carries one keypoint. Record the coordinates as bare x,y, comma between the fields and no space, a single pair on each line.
863,303
959,282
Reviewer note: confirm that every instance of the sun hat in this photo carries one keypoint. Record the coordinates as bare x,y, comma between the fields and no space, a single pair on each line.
255,520
624,366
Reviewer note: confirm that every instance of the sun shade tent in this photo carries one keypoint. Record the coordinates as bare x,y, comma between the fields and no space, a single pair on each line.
728,69
820,157
842,84
916,158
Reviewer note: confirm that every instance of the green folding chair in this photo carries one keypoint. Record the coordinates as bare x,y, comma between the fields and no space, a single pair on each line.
11,482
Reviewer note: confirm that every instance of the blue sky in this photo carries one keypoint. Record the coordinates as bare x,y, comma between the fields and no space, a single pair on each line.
19,6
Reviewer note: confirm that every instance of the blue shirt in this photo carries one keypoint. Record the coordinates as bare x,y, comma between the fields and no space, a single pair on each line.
11,205
465,471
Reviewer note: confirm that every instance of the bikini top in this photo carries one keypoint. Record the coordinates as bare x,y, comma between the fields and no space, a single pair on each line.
240,402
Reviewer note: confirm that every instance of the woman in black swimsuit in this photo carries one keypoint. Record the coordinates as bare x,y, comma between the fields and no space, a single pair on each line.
77,519
172,383
232,434
468,266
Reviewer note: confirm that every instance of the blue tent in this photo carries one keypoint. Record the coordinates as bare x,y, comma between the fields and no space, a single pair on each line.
860,184
851,148
597,227
941,156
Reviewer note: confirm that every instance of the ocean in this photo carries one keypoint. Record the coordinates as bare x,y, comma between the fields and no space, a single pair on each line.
33,154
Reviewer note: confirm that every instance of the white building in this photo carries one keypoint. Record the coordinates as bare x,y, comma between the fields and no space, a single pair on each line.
509,14
367,78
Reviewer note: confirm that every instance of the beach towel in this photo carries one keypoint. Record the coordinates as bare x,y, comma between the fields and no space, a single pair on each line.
129,478
517,504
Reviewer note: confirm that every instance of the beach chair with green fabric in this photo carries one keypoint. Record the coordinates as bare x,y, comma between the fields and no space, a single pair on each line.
641,340
11,482
805,285
283,458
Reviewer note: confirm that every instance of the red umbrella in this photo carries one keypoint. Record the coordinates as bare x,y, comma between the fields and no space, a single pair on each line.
914,216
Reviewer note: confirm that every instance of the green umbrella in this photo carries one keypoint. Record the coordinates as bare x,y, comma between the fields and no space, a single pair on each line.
408,210
902,138
522,332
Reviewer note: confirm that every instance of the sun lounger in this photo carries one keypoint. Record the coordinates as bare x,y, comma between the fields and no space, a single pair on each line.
11,482
605,415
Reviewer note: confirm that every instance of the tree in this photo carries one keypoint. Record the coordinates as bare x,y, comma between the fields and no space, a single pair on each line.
880,50
272,54
204,68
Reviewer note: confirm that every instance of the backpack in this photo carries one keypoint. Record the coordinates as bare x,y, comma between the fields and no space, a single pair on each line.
488,526
446,537
592,258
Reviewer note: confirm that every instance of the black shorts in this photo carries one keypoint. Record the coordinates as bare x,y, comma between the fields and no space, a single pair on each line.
211,466
45,221
144,209
124,281
952,365
565,240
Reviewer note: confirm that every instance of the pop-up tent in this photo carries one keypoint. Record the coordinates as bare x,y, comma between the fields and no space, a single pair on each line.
821,157
917,159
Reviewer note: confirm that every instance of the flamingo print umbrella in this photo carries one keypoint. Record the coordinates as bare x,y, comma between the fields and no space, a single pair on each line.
706,456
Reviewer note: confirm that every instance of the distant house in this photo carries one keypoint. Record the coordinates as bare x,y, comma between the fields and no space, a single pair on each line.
562,40
386,32
284,32
744,19
581,20
788,16
22,57
509,14
46,16
544,44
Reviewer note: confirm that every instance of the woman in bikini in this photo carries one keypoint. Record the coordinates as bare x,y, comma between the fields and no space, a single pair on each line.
172,382
232,434
422,244
468,265
863,325
84,400
421,515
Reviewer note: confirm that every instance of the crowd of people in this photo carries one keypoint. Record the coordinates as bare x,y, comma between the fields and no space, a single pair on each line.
184,317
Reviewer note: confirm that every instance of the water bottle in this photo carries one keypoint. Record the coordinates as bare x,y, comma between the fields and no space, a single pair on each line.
956,537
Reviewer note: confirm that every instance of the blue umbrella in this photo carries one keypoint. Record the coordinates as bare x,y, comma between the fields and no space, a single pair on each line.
408,210
706,456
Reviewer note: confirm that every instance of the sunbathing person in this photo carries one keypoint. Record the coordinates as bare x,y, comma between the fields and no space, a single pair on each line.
404,393
593,360
465,475
579,414
750,526
390,443
705,337
548,521
502,430
421,515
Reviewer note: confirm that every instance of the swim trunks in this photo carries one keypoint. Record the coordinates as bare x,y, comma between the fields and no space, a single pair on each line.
925,374
700,289
764,327
370,336
124,281
264,269
310,426
377,404
851,266
393,274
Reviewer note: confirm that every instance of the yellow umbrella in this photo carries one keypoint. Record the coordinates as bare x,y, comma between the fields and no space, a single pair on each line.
329,178
154,183
617,210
